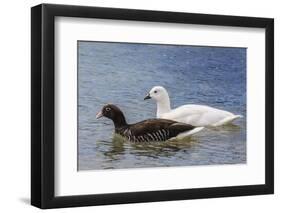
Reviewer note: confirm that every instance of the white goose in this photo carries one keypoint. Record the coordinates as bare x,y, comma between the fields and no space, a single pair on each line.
196,115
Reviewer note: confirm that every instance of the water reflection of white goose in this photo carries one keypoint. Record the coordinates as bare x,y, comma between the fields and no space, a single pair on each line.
196,115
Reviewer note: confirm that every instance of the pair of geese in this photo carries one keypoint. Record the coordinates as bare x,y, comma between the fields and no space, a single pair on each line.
170,123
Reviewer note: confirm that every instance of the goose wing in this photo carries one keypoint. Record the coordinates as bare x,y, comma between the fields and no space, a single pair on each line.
158,129
197,115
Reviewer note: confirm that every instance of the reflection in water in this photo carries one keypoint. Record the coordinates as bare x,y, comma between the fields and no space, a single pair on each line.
116,147
159,149
155,152
123,73
229,127
150,150
164,149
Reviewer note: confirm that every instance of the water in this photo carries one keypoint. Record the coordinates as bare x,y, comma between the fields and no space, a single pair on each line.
122,74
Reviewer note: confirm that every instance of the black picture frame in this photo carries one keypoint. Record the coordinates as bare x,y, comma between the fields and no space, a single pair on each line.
43,105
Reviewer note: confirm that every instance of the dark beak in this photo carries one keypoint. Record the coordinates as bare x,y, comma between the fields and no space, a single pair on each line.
147,97
99,114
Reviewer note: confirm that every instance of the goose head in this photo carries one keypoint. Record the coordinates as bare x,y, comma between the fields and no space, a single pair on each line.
113,113
157,93
161,96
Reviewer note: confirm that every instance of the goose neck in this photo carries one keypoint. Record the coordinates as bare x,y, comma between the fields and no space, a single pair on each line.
119,121
163,106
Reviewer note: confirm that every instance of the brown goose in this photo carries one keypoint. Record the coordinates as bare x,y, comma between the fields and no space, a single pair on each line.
147,130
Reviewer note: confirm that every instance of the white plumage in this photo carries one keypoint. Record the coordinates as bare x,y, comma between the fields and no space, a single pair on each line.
196,115
187,133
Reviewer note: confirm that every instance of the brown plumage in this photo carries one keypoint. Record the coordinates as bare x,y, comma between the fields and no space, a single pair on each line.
147,130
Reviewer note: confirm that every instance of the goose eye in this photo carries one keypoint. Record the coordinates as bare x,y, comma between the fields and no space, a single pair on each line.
107,109
155,91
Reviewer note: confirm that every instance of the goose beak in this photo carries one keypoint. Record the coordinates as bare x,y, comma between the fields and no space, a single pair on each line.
99,114
147,97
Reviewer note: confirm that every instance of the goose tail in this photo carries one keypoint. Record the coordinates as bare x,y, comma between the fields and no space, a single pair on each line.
228,120
189,133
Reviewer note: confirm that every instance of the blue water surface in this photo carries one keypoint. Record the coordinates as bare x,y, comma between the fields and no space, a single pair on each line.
123,73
